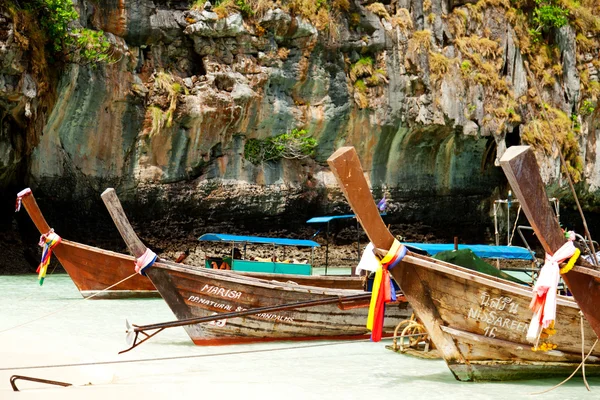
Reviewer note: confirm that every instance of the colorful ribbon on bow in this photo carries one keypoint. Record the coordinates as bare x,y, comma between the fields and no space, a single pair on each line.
20,195
145,261
543,303
383,290
48,242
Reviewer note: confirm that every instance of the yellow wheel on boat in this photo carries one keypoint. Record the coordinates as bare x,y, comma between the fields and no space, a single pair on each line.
410,331
400,325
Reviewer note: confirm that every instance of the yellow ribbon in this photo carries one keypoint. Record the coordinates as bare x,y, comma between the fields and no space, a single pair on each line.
377,282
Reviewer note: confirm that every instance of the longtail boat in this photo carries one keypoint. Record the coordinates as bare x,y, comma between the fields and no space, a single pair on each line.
95,271
477,322
201,292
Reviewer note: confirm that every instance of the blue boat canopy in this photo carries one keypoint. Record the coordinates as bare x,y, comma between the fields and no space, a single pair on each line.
328,218
221,237
481,250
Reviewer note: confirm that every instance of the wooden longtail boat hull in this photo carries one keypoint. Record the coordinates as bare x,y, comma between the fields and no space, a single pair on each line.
192,293
200,292
93,269
478,323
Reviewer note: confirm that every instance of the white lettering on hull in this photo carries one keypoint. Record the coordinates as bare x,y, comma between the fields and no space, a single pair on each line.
211,303
221,292
493,313
220,322
228,307
269,316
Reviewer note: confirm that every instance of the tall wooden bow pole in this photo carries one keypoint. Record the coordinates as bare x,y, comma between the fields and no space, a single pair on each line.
346,167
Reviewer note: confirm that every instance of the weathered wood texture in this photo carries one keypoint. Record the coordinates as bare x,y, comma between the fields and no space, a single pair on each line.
322,281
345,165
521,169
203,292
446,296
477,322
199,292
92,269
113,205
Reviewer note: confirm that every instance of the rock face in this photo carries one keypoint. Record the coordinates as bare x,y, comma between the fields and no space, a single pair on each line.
429,92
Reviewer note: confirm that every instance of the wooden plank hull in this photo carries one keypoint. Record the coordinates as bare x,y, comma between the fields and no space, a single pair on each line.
479,323
322,281
195,293
586,291
93,270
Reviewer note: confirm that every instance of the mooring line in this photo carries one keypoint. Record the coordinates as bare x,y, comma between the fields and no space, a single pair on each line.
67,306
570,376
233,353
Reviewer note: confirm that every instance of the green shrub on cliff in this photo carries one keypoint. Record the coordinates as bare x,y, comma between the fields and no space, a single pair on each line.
56,18
225,7
587,107
547,15
296,144
163,99
361,68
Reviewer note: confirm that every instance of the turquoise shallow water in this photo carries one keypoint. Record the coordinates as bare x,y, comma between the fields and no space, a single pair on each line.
77,331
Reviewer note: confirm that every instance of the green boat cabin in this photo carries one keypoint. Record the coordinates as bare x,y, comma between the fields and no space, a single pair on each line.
235,262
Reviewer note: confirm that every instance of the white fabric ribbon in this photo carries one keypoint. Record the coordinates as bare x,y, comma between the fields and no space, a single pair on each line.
368,261
544,291
145,261
20,195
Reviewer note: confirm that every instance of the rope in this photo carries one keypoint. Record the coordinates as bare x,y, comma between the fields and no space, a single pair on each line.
234,353
581,364
67,306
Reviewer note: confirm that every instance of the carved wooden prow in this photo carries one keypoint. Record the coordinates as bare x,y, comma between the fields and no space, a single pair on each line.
521,169
347,169
42,226
35,213
135,245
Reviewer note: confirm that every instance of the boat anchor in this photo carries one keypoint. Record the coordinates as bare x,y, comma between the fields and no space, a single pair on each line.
14,378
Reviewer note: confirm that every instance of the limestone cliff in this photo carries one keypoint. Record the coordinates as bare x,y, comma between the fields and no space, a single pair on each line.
430,92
